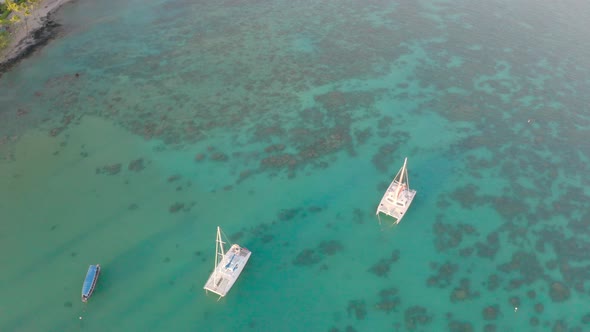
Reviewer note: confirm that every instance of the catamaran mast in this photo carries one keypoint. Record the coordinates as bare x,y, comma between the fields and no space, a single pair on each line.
218,248
405,174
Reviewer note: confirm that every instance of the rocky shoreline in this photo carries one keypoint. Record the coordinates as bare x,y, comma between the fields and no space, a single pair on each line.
42,30
35,39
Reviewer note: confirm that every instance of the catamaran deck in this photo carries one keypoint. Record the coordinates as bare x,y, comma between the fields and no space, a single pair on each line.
396,201
228,270
398,196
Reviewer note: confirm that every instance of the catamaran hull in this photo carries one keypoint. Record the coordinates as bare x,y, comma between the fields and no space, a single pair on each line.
398,196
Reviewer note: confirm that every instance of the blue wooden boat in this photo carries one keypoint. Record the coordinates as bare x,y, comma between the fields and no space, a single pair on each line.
90,281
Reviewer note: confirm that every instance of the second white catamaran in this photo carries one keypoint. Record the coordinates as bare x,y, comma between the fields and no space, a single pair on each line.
228,266
398,197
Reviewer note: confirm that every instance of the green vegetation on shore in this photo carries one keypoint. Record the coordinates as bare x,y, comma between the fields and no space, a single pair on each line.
4,39
4,35
13,11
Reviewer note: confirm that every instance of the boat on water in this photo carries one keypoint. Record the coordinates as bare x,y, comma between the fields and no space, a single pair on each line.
228,267
90,281
397,197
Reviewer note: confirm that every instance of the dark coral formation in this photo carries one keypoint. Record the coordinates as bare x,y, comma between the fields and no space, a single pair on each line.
22,112
463,292
174,178
288,214
314,209
415,317
236,237
458,326
491,312
571,256
219,156
330,247
385,156
56,131
363,135
560,326
514,301
490,328
307,257
358,216
279,161
382,267
531,294
348,328
493,282
260,230
357,309
444,276
136,165
449,236
467,196
113,169
389,300
526,266
176,207
466,252
274,148
559,292
489,248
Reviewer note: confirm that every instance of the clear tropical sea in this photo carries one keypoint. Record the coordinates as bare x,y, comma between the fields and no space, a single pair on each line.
146,124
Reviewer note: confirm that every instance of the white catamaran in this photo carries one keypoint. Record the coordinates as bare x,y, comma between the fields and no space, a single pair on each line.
228,266
398,197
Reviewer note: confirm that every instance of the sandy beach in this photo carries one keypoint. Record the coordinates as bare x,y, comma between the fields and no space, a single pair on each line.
25,40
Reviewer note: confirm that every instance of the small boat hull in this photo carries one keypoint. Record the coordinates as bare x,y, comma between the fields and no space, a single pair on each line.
90,282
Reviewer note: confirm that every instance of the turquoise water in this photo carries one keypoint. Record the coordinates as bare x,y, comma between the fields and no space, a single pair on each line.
146,124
